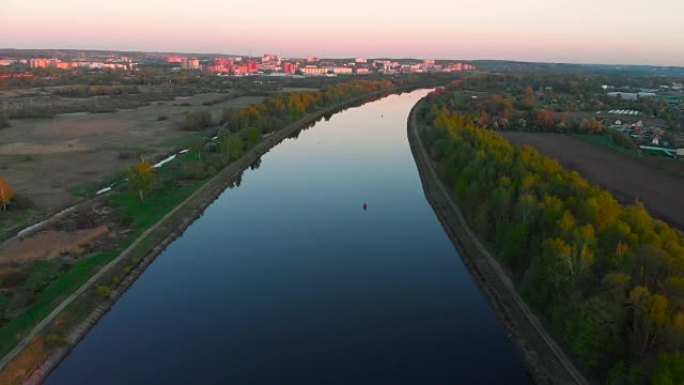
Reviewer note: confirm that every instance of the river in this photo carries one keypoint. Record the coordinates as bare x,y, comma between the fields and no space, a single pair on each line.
286,279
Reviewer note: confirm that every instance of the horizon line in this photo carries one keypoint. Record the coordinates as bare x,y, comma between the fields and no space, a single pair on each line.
345,57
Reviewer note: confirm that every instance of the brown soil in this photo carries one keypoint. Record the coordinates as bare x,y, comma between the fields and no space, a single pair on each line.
660,190
27,361
48,244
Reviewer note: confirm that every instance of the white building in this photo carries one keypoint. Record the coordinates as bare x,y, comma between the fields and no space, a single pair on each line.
313,70
342,70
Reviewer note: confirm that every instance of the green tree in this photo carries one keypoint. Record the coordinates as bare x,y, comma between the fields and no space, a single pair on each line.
232,147
670,370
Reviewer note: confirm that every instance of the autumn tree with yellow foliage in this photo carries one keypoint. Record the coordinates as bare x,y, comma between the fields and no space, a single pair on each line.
607,278
141,179
6,192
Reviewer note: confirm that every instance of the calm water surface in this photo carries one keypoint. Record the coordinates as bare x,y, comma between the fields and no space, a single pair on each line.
287,280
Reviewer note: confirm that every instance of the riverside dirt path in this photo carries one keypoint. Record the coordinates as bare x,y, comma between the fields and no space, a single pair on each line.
173,226
546,361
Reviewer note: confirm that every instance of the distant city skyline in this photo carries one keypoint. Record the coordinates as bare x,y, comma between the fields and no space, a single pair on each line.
579,31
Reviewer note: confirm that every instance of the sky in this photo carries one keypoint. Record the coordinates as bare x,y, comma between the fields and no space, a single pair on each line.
574,31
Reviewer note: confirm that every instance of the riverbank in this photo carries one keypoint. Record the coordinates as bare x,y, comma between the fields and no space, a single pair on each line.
151,242
546,361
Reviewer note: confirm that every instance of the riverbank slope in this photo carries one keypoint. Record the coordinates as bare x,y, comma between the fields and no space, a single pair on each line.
547,363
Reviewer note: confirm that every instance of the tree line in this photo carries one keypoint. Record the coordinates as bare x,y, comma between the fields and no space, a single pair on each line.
87,91
242,129
607,278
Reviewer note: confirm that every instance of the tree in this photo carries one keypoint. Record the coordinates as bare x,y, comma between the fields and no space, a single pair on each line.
141,178
231,146
6,192
670,370
591,331
546,119
251,136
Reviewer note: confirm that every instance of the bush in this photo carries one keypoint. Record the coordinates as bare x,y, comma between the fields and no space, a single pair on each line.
197,120
103,291
210,147
55,340
623,140
251,136
195,170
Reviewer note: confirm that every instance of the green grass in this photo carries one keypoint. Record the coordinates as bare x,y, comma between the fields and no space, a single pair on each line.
156,205
40,275
50,297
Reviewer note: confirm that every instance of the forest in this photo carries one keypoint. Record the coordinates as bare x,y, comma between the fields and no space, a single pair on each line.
606,278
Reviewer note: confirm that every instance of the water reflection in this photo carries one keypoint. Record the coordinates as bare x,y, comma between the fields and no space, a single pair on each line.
288,280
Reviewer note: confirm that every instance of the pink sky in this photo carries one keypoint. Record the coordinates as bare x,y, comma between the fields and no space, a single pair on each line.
596,31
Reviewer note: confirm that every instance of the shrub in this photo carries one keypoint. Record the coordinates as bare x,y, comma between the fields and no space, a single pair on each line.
195,170
623,140
197,120
210,147
103,291
55,340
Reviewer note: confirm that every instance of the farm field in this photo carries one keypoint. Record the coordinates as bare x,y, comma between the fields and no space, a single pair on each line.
627,177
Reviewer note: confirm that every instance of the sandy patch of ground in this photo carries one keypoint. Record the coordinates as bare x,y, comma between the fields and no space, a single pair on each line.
628,179
48,244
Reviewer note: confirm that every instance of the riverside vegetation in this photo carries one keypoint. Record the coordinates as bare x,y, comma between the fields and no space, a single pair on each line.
31,291
607,278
